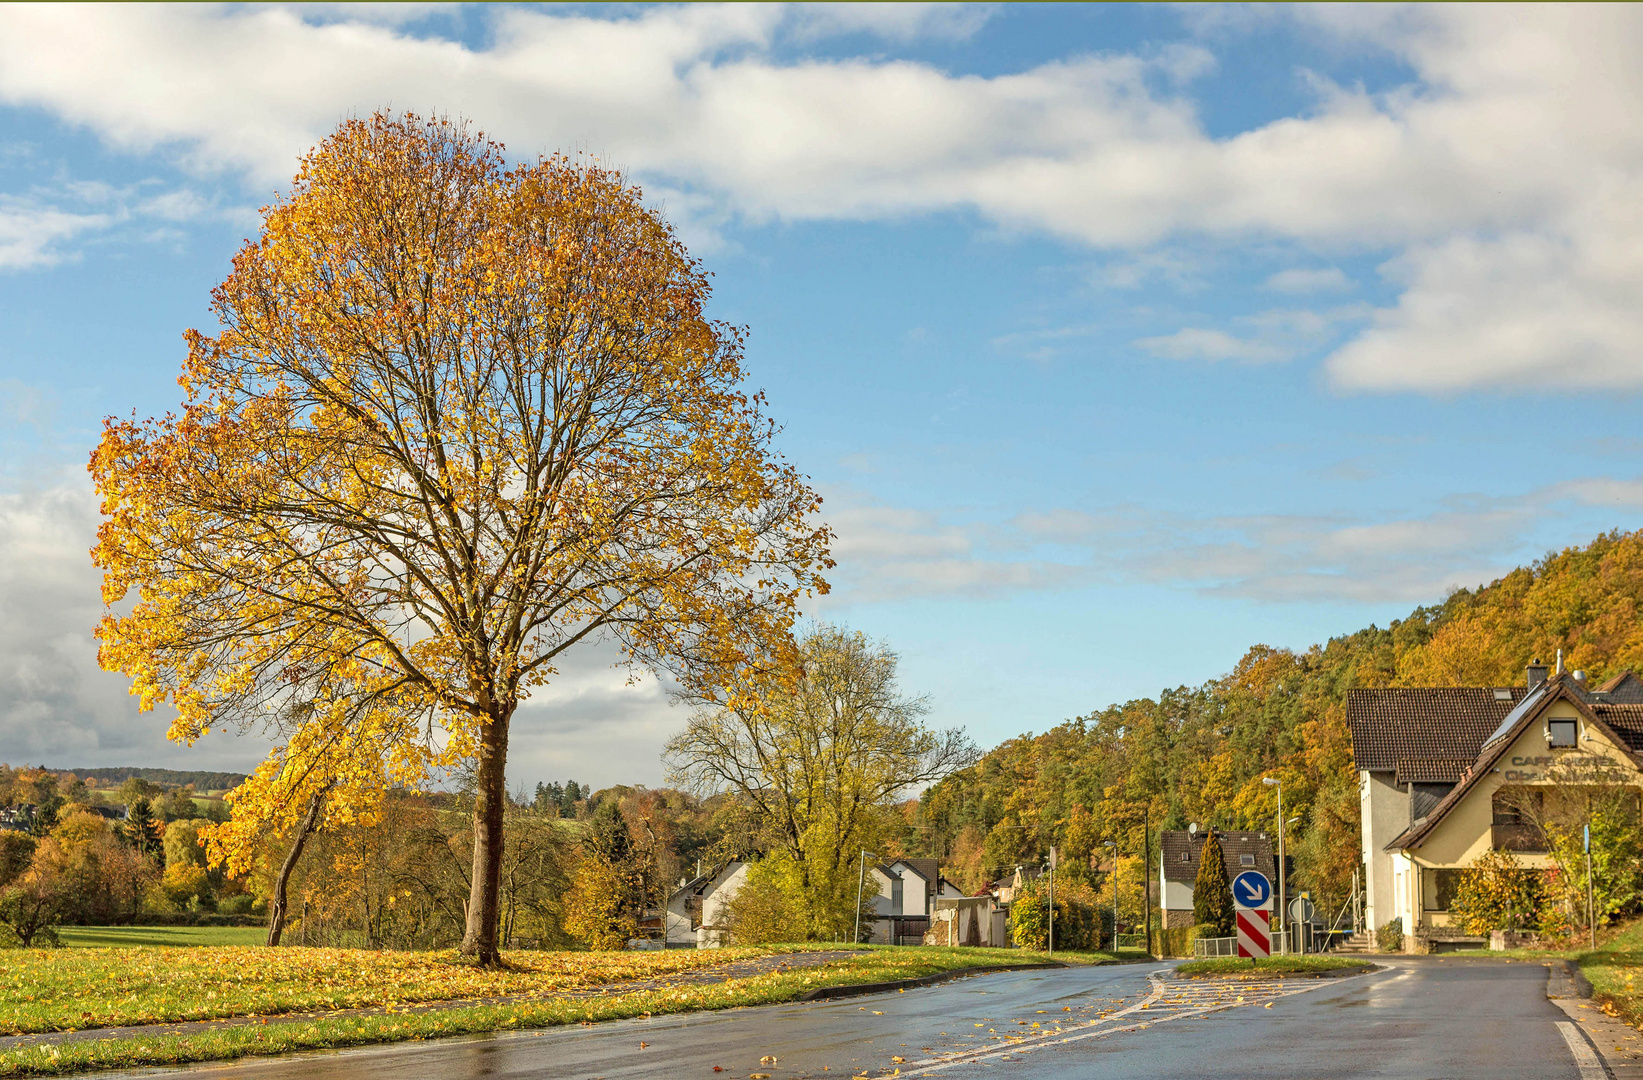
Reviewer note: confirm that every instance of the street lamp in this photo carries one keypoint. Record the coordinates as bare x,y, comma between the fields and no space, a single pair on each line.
1283,895
1114,845
860,884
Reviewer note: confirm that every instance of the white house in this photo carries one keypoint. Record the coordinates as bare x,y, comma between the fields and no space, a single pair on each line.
905,900
1179,852
697,912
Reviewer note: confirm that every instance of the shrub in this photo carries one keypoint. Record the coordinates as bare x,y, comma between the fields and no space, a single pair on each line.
1079,924
187,885
1497,893
1389,938
769,907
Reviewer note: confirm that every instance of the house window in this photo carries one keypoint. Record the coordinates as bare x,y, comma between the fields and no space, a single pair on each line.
1561,733
1246,860
1516,812
1444,884
1186,856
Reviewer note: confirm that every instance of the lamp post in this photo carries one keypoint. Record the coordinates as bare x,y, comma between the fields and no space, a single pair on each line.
1283,896
1114,845
861,883
1051,938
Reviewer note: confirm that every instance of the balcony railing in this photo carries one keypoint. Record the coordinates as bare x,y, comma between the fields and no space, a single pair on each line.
1526,838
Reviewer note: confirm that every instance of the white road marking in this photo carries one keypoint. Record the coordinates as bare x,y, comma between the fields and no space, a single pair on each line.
1590,1067
1208,997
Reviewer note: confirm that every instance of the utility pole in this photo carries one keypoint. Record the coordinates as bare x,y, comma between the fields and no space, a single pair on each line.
1114,845
1283,895
1591,918
1146,870
861,883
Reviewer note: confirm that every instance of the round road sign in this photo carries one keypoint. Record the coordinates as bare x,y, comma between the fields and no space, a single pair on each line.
1251,889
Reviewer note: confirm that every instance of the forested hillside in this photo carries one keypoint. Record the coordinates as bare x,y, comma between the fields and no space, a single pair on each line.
1197,754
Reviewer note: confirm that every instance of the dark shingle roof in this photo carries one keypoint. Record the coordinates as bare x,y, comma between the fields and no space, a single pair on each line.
1234,845
1408,724
1431,770
1623,689
1626,720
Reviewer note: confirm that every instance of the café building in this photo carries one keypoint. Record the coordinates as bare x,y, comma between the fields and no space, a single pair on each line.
1447,774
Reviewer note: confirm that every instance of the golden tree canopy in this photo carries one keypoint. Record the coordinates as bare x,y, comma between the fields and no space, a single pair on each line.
459,418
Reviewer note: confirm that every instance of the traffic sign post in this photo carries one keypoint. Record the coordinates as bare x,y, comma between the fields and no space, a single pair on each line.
1252,900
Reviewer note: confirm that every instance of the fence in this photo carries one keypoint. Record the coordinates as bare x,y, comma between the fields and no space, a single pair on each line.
1296,939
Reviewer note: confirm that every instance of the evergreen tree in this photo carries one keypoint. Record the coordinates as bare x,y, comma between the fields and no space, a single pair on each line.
573,795
1212,892
610,836
139,829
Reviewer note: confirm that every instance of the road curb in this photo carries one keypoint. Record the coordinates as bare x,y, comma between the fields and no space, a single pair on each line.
1568,988
823,993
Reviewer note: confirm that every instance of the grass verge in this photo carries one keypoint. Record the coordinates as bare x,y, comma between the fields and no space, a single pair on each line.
1225,966
95,937
333,1032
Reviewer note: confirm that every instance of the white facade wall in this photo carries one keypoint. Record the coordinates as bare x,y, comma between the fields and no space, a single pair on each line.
1385,814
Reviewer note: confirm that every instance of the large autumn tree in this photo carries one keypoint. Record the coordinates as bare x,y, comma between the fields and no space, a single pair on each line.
459,418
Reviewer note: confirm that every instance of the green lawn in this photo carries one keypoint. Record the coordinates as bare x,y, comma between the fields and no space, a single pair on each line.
103,937
50,990
1270,965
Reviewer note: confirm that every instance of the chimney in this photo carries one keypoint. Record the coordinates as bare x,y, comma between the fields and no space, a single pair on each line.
1536,672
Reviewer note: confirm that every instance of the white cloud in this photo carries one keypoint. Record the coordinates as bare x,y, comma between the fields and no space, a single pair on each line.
1414,557
1506,178
1193,343
1309,280
893,22
44,227
33,235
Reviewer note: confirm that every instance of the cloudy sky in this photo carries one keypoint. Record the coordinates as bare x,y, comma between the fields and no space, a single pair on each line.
1118,339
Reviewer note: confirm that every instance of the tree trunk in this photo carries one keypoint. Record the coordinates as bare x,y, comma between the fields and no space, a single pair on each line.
276,907
490,804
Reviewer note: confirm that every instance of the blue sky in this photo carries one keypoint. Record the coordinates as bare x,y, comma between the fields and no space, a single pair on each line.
1119,339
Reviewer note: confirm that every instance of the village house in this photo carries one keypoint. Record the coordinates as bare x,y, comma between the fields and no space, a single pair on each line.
1180,854
906,899
697,914
902,895
1448,774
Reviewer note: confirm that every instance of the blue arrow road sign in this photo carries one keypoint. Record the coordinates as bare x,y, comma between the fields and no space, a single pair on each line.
1251,889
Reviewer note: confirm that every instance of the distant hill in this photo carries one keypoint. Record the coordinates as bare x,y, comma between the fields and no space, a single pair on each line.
168,778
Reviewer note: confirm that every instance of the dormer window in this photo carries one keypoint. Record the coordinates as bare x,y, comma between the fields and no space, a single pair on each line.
1560,733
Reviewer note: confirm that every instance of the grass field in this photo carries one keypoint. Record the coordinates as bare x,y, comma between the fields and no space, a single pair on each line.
83,937
69,989
1232,966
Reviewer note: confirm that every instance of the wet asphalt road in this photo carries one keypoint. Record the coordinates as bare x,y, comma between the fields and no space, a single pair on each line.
1419,1019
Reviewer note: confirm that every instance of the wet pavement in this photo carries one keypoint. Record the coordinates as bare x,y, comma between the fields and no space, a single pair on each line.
1417,1018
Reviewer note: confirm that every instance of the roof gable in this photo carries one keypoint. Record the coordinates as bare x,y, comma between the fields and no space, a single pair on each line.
1559,688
